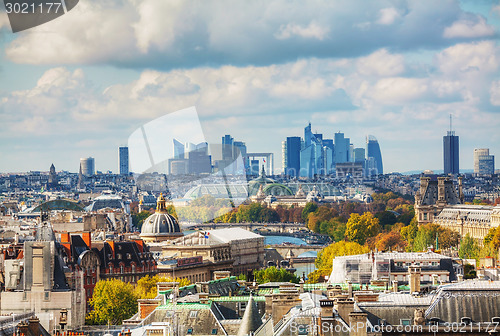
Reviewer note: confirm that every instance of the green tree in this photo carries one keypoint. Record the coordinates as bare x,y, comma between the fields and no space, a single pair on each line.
113,301
273,274
310,207
426,236
361,227
386,218
469,249
138,219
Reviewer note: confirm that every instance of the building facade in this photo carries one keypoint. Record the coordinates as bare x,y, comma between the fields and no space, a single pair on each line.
484,163
434,194
88,166
124,165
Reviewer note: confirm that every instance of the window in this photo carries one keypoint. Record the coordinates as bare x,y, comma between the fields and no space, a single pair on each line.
214,331
405,322
193,314
122,269
190,331
111,269
119,256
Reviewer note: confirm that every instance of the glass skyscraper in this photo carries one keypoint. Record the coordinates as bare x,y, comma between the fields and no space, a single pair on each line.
450,153
123,152
373,151
291,156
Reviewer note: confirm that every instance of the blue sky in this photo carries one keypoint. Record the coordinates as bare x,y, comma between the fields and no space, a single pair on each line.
259,70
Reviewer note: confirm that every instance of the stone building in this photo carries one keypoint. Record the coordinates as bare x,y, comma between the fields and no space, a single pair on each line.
475,220
434,194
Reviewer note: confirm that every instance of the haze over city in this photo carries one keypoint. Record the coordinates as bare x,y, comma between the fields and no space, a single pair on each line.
80,85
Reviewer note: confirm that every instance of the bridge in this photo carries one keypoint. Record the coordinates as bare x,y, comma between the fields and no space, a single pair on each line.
295,250
275,227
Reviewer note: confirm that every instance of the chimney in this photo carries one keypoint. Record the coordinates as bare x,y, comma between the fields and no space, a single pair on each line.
460,190
415,272
87,239
460,277
395,286
65,237
34,326
147,306
435,279
344,307
349,289
441,180
357,322
22,328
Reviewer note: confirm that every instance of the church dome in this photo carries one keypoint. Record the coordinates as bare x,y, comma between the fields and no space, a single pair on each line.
161,225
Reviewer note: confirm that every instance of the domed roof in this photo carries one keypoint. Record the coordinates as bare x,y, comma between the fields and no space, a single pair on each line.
161,223
262,180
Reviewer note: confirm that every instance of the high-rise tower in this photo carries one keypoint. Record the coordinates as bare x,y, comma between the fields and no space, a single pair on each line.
123,153
450,152
373,151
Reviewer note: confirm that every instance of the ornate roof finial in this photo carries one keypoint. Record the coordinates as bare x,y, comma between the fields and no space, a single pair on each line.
161,204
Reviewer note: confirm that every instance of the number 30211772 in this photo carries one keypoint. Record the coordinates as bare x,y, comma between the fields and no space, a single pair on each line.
32,8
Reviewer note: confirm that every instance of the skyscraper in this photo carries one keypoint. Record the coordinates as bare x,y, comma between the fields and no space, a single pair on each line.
88,166
341,148
178,150
484,163
291,156
373,151
450,153
311,156
123,152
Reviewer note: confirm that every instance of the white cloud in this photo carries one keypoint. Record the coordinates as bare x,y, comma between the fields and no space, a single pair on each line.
469,28
388,16
381,63
467,57
495,93
313,30
398,90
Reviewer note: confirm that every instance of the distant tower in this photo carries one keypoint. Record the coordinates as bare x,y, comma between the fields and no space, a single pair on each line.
52,182
88,166
80,179
291,156
373,151
450,152
123,151
484,163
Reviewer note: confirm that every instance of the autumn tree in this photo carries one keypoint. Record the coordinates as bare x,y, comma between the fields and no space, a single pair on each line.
146,286
428,234
361,227
390,241
113,301
310,207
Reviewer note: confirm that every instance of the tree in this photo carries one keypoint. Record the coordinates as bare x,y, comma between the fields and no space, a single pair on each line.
390,241
469,249
146,286
138,219
113,301
386,218
310,207
341,248
359,228
273,274
427,234
409,233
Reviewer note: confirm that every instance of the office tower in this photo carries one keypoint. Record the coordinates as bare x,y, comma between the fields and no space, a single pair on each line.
484,163
311,156
450,152
227,147
341,148
123,153
240,148
373,151
328,156
291,156
88,166
254,167
307,135
178,150
358,155
199,162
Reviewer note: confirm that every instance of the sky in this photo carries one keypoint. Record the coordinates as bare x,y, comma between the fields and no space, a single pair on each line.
81,84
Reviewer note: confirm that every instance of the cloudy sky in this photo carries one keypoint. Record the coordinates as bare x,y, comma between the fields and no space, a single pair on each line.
80,85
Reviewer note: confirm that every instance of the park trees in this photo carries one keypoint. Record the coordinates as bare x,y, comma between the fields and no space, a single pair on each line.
273,274
361,227
113,301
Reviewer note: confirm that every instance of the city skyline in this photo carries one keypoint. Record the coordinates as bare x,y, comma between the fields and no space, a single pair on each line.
258,71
